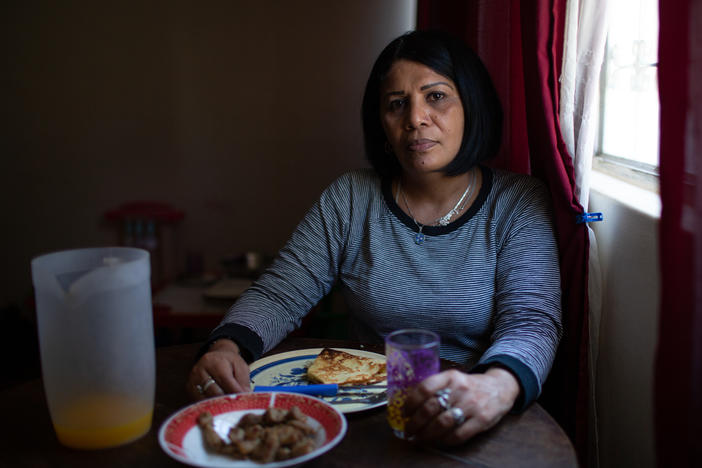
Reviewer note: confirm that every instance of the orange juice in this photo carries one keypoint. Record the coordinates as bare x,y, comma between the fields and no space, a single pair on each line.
101,421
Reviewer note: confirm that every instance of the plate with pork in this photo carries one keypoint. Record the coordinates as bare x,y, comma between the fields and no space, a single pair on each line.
268,429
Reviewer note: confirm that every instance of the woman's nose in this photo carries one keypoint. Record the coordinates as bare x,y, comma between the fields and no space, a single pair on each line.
417,115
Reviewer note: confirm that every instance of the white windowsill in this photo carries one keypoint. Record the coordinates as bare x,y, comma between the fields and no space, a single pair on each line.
635,197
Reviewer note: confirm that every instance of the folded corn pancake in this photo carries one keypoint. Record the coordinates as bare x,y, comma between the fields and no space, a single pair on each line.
339,367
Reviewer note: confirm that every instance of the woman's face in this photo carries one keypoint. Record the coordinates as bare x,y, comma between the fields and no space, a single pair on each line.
422,116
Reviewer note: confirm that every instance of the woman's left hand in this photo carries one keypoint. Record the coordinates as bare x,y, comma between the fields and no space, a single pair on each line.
482,398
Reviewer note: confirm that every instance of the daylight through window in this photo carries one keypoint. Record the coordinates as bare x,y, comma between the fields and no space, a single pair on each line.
630,106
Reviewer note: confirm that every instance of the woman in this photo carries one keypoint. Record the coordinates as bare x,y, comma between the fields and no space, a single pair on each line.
429,238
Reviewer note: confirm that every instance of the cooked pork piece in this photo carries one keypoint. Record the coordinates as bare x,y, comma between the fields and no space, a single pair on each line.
212,439
277,434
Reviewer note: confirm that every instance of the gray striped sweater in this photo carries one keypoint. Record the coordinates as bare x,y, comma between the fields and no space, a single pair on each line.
487,283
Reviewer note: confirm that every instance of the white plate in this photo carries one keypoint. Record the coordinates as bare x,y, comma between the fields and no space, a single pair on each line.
291,369
181,437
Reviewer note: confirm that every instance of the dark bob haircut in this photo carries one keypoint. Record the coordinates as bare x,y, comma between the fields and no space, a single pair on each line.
451,58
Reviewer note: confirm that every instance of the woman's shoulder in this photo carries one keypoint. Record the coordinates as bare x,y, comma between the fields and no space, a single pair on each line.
516,196
515,185
358,177
356,181
354,190
506,178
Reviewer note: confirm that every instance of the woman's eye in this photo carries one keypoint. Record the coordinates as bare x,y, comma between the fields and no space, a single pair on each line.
396,104
436,96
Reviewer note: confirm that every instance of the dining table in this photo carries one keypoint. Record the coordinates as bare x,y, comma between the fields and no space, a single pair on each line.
529,439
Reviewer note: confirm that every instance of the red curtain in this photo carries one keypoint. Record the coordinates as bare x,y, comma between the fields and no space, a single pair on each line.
521,44
678,372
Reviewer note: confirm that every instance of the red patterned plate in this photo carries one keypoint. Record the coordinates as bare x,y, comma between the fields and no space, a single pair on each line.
181,438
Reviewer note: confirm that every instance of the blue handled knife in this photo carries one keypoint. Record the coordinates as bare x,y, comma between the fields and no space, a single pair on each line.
319,389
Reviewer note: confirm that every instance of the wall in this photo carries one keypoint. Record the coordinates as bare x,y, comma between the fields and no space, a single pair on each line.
628,246
238,112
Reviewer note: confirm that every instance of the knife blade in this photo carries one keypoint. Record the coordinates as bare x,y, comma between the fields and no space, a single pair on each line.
318,389
372,398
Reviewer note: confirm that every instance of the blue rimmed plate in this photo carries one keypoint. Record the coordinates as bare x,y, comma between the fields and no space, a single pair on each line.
290,368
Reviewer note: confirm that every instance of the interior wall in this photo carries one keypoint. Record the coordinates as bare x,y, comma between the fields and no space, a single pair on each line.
628,245
237,112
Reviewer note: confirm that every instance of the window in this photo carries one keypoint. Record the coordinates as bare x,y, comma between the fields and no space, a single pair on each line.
629,130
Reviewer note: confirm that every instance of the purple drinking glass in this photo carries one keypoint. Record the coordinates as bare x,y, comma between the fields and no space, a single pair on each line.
411,356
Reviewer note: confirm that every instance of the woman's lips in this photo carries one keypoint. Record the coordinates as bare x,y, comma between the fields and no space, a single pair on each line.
421,145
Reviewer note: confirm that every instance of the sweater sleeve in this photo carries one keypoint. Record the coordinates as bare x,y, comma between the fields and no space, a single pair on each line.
302,273
527,326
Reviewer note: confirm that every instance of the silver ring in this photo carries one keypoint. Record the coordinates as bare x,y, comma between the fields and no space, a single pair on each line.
201,388
442,397
458,415
209,382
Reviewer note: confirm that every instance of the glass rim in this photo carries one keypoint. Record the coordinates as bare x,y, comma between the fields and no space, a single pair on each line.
434,341
138,252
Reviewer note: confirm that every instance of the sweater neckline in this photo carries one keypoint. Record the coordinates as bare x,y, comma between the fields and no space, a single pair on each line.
439,230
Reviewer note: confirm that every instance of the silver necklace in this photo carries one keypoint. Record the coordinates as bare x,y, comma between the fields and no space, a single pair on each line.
419,238
444,220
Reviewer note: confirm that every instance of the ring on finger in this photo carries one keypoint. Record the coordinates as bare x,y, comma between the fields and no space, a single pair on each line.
442,396
209,382
458,415
202,388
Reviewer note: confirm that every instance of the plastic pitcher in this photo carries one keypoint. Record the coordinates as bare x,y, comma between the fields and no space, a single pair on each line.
96,340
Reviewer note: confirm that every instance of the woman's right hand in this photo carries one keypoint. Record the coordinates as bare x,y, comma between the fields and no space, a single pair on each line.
223,363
